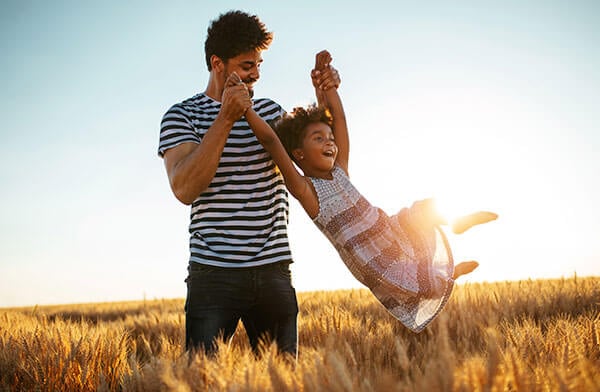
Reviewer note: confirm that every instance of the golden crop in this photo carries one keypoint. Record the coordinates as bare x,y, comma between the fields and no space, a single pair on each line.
541,335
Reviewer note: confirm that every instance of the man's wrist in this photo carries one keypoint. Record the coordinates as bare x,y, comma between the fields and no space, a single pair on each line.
223,121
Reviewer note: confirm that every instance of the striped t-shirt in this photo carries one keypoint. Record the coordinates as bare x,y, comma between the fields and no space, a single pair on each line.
241,219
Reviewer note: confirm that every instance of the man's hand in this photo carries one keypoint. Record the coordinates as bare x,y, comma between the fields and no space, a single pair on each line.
236,99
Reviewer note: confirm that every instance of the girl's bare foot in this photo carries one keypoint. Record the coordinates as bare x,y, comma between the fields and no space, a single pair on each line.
464,268
464,223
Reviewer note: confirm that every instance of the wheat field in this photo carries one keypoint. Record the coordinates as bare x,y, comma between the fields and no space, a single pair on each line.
536,335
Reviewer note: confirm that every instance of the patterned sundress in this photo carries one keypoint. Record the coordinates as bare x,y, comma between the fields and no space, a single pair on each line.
407,264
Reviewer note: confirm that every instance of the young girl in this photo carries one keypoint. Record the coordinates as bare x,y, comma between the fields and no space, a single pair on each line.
403,259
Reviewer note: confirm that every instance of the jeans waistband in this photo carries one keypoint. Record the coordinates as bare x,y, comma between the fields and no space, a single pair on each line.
268,266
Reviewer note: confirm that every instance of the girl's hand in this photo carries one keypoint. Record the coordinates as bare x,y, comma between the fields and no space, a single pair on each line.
236,98
324,76
233,80
322,60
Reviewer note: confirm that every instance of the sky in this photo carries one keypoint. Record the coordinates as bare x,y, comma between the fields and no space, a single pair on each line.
479,104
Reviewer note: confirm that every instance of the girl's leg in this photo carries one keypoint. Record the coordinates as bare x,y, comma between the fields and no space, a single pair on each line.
464,223
464,268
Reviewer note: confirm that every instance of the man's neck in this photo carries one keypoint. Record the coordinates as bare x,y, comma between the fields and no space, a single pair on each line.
214,89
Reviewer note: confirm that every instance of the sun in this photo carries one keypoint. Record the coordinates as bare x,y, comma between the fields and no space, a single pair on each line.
451,208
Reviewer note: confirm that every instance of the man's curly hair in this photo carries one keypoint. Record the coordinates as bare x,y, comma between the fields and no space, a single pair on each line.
234,33
292,126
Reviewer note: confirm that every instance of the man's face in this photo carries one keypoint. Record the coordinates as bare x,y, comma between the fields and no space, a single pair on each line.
247,66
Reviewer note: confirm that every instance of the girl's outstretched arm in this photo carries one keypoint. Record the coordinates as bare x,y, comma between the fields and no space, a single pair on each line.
298,185
340,127
326,81
295,182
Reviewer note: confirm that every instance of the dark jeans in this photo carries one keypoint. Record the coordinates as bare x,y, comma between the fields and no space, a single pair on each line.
262,297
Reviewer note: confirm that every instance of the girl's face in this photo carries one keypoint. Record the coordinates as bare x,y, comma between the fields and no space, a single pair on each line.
318,152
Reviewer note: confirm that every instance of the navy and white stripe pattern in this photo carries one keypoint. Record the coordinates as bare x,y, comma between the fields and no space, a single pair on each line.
240,220
407,266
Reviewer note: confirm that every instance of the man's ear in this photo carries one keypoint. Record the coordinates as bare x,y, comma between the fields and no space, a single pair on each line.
217,64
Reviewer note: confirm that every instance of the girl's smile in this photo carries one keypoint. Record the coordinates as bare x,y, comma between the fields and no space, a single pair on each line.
318,152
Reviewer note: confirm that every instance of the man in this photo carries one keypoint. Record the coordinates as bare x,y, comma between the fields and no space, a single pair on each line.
239,252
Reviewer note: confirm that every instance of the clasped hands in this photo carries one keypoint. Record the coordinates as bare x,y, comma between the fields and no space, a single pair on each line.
236,98
324,76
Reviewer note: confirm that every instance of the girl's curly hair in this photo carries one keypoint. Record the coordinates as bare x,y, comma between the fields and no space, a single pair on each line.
291,127
234,33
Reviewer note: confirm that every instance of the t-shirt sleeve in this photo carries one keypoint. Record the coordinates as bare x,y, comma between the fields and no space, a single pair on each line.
175,129
269,110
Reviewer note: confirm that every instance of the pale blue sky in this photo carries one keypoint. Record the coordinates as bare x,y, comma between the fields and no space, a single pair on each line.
481,104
